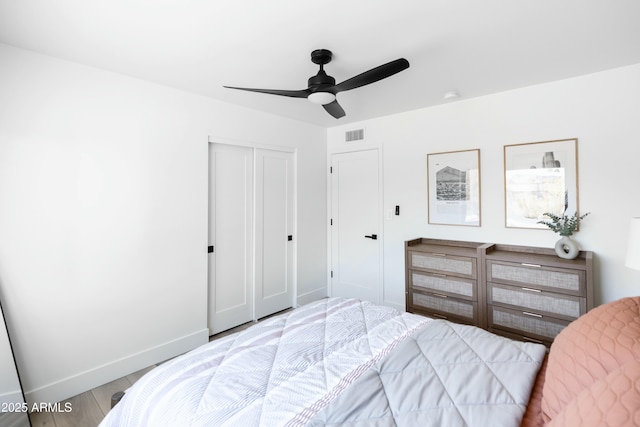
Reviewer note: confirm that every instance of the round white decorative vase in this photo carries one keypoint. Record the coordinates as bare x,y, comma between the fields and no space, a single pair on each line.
567,248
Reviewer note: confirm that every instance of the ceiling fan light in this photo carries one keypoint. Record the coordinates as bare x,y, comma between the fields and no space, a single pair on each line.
321,98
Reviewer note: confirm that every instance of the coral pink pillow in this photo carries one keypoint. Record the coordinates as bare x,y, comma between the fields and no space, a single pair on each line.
612,401
588,350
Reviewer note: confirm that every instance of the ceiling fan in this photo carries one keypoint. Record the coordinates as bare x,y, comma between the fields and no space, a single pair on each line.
322,88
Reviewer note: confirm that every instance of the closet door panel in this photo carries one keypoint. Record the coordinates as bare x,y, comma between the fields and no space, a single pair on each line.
274,287
231,236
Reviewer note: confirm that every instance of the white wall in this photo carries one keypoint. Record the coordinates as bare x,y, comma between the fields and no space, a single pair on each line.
103,218
602,110
103,201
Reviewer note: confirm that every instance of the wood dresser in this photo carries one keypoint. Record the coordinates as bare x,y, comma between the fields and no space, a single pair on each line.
442,280
532,294
520,292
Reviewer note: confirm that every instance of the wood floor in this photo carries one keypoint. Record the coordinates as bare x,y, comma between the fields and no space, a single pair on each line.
89,408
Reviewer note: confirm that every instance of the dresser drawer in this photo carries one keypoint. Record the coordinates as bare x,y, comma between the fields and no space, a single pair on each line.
448,264
536,300
446,307
566,281
449,285
523,322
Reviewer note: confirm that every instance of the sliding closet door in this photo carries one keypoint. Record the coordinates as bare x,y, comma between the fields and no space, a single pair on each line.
230,236
274,264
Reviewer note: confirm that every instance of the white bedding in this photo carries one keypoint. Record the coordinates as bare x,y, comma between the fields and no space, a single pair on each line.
316,364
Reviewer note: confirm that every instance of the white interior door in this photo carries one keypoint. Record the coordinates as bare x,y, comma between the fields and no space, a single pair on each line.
230,236
356,228
274,264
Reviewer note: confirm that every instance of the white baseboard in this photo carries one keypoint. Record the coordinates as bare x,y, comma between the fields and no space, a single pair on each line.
87,380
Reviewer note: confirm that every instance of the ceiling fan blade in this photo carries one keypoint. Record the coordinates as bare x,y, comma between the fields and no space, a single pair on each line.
373,75
291,93
334,109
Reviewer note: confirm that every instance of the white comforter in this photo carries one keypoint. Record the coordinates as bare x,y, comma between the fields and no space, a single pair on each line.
339,361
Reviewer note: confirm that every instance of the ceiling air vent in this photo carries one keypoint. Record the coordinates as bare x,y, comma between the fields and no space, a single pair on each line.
354,135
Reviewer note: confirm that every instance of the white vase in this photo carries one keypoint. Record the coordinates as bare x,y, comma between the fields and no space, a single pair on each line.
567,248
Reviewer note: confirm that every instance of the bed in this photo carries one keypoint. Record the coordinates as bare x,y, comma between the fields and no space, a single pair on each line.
341,361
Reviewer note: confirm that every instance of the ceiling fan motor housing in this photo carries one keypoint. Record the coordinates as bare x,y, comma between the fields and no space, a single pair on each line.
320,81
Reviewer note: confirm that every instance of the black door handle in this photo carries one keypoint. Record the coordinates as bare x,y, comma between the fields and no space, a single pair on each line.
373,236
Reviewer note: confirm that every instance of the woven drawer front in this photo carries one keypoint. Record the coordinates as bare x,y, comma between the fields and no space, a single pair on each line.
444,284
447,305
540,326
444,263
540,301
566,280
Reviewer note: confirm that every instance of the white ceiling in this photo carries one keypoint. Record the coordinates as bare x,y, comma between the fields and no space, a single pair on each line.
471,46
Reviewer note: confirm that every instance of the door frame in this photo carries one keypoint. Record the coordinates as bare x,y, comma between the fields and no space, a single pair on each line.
212,139
345,150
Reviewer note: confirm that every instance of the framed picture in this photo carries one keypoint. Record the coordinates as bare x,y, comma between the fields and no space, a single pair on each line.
540,177
453,186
